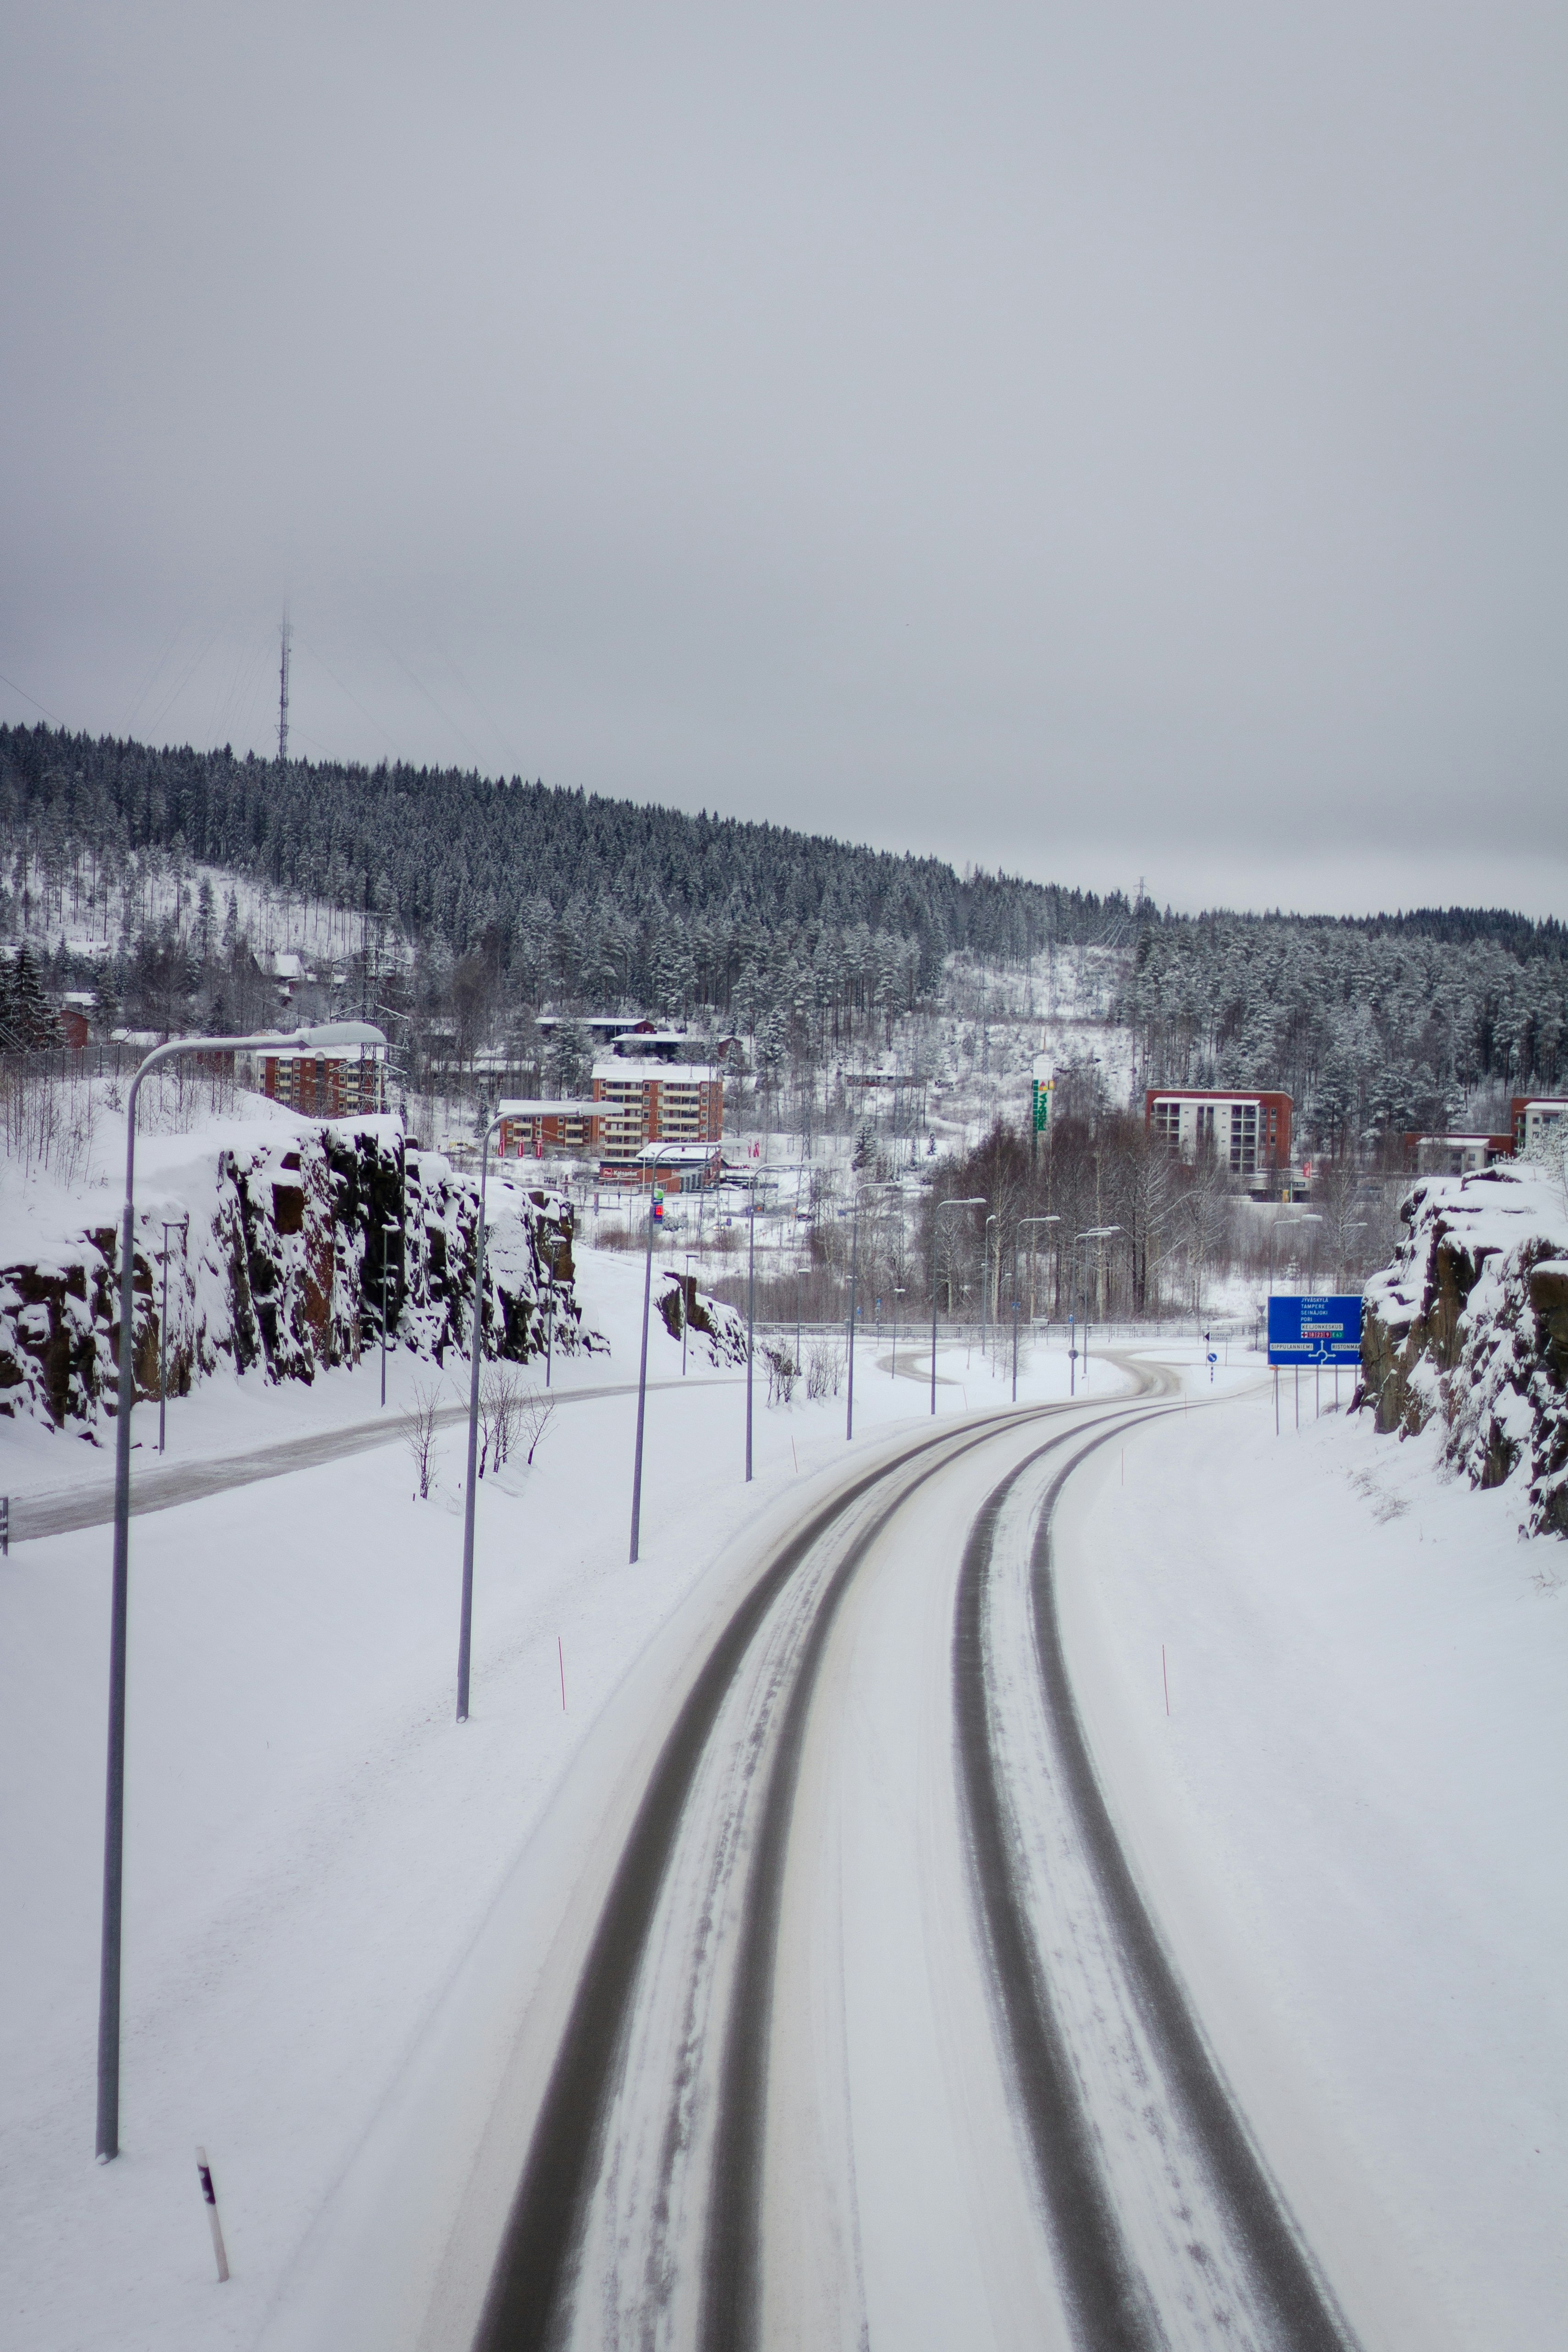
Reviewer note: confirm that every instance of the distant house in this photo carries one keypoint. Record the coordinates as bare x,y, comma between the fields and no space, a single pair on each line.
679,1167
1454,1155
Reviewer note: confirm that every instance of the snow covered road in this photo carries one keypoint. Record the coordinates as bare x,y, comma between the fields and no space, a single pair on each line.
873,2040
161,1485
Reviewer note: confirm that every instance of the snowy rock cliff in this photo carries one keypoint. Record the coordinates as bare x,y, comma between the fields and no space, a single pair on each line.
277,1242
1470,1323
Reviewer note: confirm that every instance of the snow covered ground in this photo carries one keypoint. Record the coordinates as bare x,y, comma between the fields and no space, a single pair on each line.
1346,1820
1350,1826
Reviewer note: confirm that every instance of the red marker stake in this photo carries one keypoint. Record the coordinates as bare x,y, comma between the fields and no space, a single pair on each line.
560,1653
1165,1678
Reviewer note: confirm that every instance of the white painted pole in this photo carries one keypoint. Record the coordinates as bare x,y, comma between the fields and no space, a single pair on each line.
204,2174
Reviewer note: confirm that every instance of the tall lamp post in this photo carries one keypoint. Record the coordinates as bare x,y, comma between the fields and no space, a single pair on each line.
550,1327
475,1351
750,1310
1090,1234
324,1038
855,1273
1035,1221
986,1283
653,1195
686,1291
1284,1226
180,1225
973,1201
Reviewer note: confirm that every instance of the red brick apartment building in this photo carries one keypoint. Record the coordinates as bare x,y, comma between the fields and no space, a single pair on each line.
325,1086
641,1100
1248,1134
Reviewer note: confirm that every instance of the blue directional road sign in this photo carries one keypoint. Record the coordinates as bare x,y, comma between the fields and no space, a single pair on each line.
1314,1330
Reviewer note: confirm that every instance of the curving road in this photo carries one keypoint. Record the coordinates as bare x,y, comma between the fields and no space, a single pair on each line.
159,1485
875,2042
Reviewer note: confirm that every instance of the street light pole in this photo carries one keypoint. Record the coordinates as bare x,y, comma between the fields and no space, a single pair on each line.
974,1201
169,1225
642,1383
854,1270
329,1034
1035,1221
550,1327
475,1351
986,1287
750,1312
686,1317
1090,1234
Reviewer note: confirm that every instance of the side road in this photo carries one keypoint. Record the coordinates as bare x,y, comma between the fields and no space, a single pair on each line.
159,1487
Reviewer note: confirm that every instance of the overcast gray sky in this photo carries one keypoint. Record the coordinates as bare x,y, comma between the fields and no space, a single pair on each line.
1109,441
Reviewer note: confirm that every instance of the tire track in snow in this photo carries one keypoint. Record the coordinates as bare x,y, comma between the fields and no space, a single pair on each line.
1167,2228
538,2272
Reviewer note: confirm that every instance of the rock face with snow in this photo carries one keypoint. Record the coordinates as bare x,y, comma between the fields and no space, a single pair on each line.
278,1265
713,1329
1470,1323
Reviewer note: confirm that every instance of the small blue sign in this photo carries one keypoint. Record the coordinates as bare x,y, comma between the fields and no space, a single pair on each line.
1314,1330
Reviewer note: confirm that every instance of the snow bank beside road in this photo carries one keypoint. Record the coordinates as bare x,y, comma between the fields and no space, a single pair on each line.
1350,1826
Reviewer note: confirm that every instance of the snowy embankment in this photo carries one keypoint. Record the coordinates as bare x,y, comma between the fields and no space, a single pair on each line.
313,1847
1343,1821
274,1232
1350,1825
1469,1330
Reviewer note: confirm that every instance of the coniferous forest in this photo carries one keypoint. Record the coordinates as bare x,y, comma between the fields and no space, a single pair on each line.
470,903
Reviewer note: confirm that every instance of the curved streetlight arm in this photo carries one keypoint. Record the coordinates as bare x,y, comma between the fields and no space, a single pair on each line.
1036,1221
337,1032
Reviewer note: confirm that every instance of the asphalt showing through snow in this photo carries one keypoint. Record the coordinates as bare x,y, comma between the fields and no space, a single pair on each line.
658,2173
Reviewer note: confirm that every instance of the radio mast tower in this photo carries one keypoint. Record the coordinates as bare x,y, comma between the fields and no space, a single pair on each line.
283,694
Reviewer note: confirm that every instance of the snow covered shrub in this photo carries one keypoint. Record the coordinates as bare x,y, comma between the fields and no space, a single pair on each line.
783,1372
535,1413
419,1426
824,1369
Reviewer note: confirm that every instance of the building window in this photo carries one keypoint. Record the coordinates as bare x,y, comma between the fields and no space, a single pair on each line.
1243,1138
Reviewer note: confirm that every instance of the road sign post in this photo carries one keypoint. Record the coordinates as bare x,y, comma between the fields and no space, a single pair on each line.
1311,1330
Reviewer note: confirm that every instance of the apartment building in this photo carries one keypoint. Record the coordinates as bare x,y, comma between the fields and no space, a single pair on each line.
1248,1134
1530,1117
639,1099
325,1086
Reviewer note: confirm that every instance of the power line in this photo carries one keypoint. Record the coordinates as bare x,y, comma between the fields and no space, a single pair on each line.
29,698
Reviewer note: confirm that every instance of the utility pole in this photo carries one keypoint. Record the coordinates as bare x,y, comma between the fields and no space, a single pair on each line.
283,636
